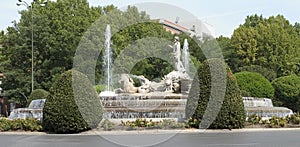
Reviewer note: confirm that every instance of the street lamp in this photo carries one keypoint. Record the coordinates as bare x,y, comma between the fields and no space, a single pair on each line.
21,2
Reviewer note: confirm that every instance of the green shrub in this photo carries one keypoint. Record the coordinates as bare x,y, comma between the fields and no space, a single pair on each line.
99,88
144,123
72,106
245,93
37,94
17,124
293,119
28,124
266,121
254,119
5,124
107,125
255,84
172,124
232,112
267,73
287,92
276,122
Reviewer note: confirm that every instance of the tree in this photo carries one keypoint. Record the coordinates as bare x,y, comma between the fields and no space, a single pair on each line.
151,67
72,106
228,52
245,44
58,28
231,114
272,43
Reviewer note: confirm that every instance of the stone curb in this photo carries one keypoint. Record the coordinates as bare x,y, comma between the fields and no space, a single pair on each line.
118,132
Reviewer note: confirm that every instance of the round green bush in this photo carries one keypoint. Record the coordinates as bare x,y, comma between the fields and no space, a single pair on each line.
255,84
287,92
231,114
37,94
72,106
266,72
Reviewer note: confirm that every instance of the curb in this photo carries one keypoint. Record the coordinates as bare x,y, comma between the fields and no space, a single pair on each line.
124,132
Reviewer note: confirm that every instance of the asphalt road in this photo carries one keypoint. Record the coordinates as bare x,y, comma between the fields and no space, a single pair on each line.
286,138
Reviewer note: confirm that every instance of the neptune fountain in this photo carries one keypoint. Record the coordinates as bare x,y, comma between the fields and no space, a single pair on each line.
163,99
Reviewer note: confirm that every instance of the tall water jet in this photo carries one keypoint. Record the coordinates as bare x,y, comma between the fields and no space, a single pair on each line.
186,55
107,58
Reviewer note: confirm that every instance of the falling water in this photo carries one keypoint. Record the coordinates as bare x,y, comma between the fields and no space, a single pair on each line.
107,58
186,55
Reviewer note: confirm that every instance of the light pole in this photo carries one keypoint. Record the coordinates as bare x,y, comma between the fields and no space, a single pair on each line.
21,2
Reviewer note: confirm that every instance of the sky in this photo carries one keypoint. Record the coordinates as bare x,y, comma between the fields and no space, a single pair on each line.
221,16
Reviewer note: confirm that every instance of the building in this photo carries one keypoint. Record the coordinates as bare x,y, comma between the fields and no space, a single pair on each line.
174,28
195,28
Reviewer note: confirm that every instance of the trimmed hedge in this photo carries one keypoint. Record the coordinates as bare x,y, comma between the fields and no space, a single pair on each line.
287,92
232,112
266,72
37,94
255,84
72,106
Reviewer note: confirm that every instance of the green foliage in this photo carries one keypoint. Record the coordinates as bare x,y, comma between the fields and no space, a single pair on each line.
255,84
228,52
254,119
287,92
275,122
294,119
70,111
144,123
37,94
271,42
266,72
99,88
58,28
107,125
192,123
5,124
245,93
232,113
139,123
27,124
149,65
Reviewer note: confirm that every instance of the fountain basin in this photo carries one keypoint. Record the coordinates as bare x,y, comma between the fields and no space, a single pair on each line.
264,108
35,110
148,105
143,96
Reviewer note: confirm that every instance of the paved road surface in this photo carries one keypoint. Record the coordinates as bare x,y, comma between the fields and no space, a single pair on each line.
286,138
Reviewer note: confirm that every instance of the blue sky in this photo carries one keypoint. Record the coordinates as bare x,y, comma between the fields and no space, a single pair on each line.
223,16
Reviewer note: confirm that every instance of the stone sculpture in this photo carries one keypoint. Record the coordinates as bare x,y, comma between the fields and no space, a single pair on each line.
170,83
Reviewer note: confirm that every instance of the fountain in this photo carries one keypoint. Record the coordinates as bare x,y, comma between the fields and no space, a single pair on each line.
34,110
107,58
164,99
186,55
264,107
